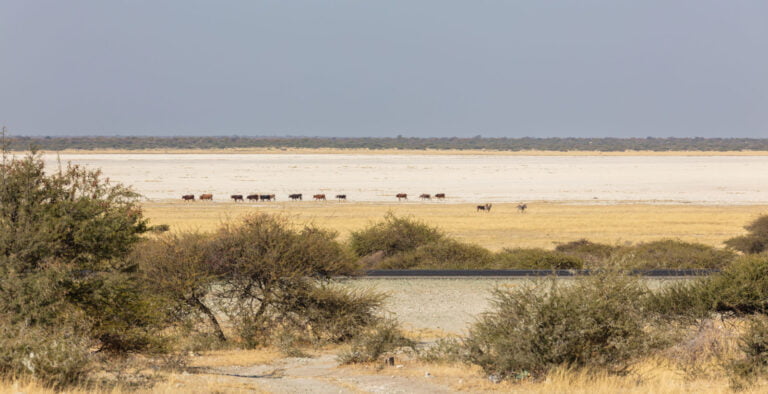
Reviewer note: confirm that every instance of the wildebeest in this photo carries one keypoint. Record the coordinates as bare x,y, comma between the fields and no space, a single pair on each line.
188,197
341,197
522,207
267,197
206,196
440,196
294,197
319,197
486,208
237,197
252,197
401,196
425,196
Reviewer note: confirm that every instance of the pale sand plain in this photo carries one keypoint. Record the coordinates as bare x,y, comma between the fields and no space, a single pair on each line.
718,180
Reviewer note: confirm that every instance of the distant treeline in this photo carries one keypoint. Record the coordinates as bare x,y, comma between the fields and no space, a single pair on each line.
500,144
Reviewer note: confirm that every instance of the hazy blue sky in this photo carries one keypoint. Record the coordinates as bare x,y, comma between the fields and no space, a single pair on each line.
382,68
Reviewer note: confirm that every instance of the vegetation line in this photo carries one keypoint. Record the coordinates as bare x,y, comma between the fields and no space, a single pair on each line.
20,143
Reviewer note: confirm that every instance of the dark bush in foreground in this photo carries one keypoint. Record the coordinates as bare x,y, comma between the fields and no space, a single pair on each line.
66,285
534,258
393,235
442,254
594,322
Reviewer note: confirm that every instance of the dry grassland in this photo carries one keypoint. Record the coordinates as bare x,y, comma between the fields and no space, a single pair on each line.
543,225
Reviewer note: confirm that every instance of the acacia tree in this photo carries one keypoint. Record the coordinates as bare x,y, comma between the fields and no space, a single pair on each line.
177,266
267,266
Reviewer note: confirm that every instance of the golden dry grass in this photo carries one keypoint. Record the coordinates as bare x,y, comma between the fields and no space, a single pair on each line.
543,225
648,376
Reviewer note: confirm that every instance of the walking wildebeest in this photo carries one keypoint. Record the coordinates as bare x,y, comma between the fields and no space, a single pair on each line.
522,207
401,196
440,196
206,196
486,208
237,197
188,197
341,197
295,197
425,196
266,197
252,197
319,197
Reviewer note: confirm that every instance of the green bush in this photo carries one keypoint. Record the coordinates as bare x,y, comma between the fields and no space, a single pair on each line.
754,344
442,254
673,254
741,289
534,258
374,342
177,268
756,241
393,235
597,321
333,313
590,253
264,264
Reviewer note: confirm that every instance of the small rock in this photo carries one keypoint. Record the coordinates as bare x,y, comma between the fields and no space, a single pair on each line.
427,375
185,373
494,378
399,366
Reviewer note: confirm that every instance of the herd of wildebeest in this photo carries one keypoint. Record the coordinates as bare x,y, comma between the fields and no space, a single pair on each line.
341,197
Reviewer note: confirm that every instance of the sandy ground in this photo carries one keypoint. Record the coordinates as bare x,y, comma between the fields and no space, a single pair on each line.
463,178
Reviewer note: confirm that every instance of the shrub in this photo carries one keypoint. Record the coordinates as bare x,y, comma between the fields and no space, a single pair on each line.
58,358
741,289
377,340
534,258
444,350
676,254
64,240
754,344
393,235
755,241
590,253
264,262
442,254
333,313
596,321
177,267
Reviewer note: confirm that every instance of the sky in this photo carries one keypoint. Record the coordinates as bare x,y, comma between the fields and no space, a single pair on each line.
364,68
